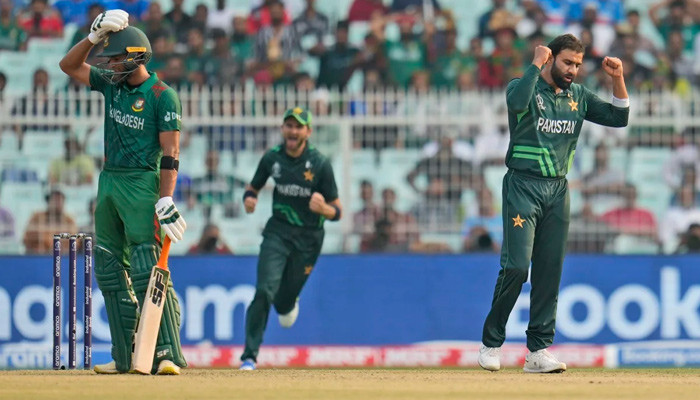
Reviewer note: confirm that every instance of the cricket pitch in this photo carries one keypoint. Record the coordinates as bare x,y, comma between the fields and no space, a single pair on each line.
363,384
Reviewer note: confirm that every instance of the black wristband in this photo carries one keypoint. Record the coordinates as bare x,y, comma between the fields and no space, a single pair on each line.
249,193
337,212
167,162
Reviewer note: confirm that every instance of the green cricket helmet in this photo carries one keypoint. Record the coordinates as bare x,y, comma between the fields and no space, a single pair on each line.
132,43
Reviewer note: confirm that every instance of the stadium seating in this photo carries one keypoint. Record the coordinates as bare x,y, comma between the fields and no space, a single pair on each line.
9,148
15,66
23,199
655,197
12,245
332,243
493,177
470,204
311,66
394,166
584,159
241,235
77,201
357,32
352,243
246,162
193,156
454,241
94,143
14,173
630,244
39,148
646,164
335,10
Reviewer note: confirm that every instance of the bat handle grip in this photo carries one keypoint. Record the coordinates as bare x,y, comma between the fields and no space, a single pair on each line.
163,259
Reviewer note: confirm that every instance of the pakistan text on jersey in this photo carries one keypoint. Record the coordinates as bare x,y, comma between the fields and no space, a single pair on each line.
127,120
556,126
293,190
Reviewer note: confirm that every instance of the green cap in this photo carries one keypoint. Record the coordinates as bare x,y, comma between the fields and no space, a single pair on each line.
300,114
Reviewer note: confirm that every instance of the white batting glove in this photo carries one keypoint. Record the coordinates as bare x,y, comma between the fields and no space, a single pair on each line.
108,21
170,219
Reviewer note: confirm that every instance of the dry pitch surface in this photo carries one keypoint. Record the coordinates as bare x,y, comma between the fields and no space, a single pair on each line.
361,384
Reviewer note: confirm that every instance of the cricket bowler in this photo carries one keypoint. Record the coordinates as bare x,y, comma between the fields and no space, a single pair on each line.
546,110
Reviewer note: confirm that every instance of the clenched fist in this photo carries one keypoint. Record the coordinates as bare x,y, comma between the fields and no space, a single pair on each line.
317,203
250,203
542,56
612,66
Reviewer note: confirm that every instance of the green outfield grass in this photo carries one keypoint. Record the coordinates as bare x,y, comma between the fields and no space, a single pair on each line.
361,384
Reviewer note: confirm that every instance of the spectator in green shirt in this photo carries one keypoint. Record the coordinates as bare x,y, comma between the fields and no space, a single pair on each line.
241,42
406,56
680,17
162,50
12,37
450,62
222,68
197,57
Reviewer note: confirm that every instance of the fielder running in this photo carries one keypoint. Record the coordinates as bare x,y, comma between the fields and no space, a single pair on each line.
305,196
545,114
134,197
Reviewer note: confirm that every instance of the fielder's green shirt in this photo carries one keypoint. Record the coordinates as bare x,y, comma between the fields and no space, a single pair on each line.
545,126
134,118
296,179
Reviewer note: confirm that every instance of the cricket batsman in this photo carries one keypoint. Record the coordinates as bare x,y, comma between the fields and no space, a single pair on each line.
134,198
305,195
545,113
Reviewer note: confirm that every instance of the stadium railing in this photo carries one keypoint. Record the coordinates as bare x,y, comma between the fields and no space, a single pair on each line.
380,137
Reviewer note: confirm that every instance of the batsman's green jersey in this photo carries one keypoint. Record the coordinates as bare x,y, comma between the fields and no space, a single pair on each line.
127,230
292,238
544,128
134,117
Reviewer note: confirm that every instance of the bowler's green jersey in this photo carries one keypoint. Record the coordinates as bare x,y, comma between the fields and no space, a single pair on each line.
544,126
296,179
134,117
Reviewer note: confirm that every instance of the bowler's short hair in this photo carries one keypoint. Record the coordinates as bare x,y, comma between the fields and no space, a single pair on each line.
566,42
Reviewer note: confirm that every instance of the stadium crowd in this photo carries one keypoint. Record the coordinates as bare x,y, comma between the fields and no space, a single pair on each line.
405,45
224,44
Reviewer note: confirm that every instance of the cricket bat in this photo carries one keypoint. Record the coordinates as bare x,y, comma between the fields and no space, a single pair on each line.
152,310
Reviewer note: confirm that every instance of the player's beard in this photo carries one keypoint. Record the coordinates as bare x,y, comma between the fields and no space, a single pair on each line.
300,141
558,77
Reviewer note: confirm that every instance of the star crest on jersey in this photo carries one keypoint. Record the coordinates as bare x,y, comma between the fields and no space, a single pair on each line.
540,102
573,105
308,175
517,221
138,105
